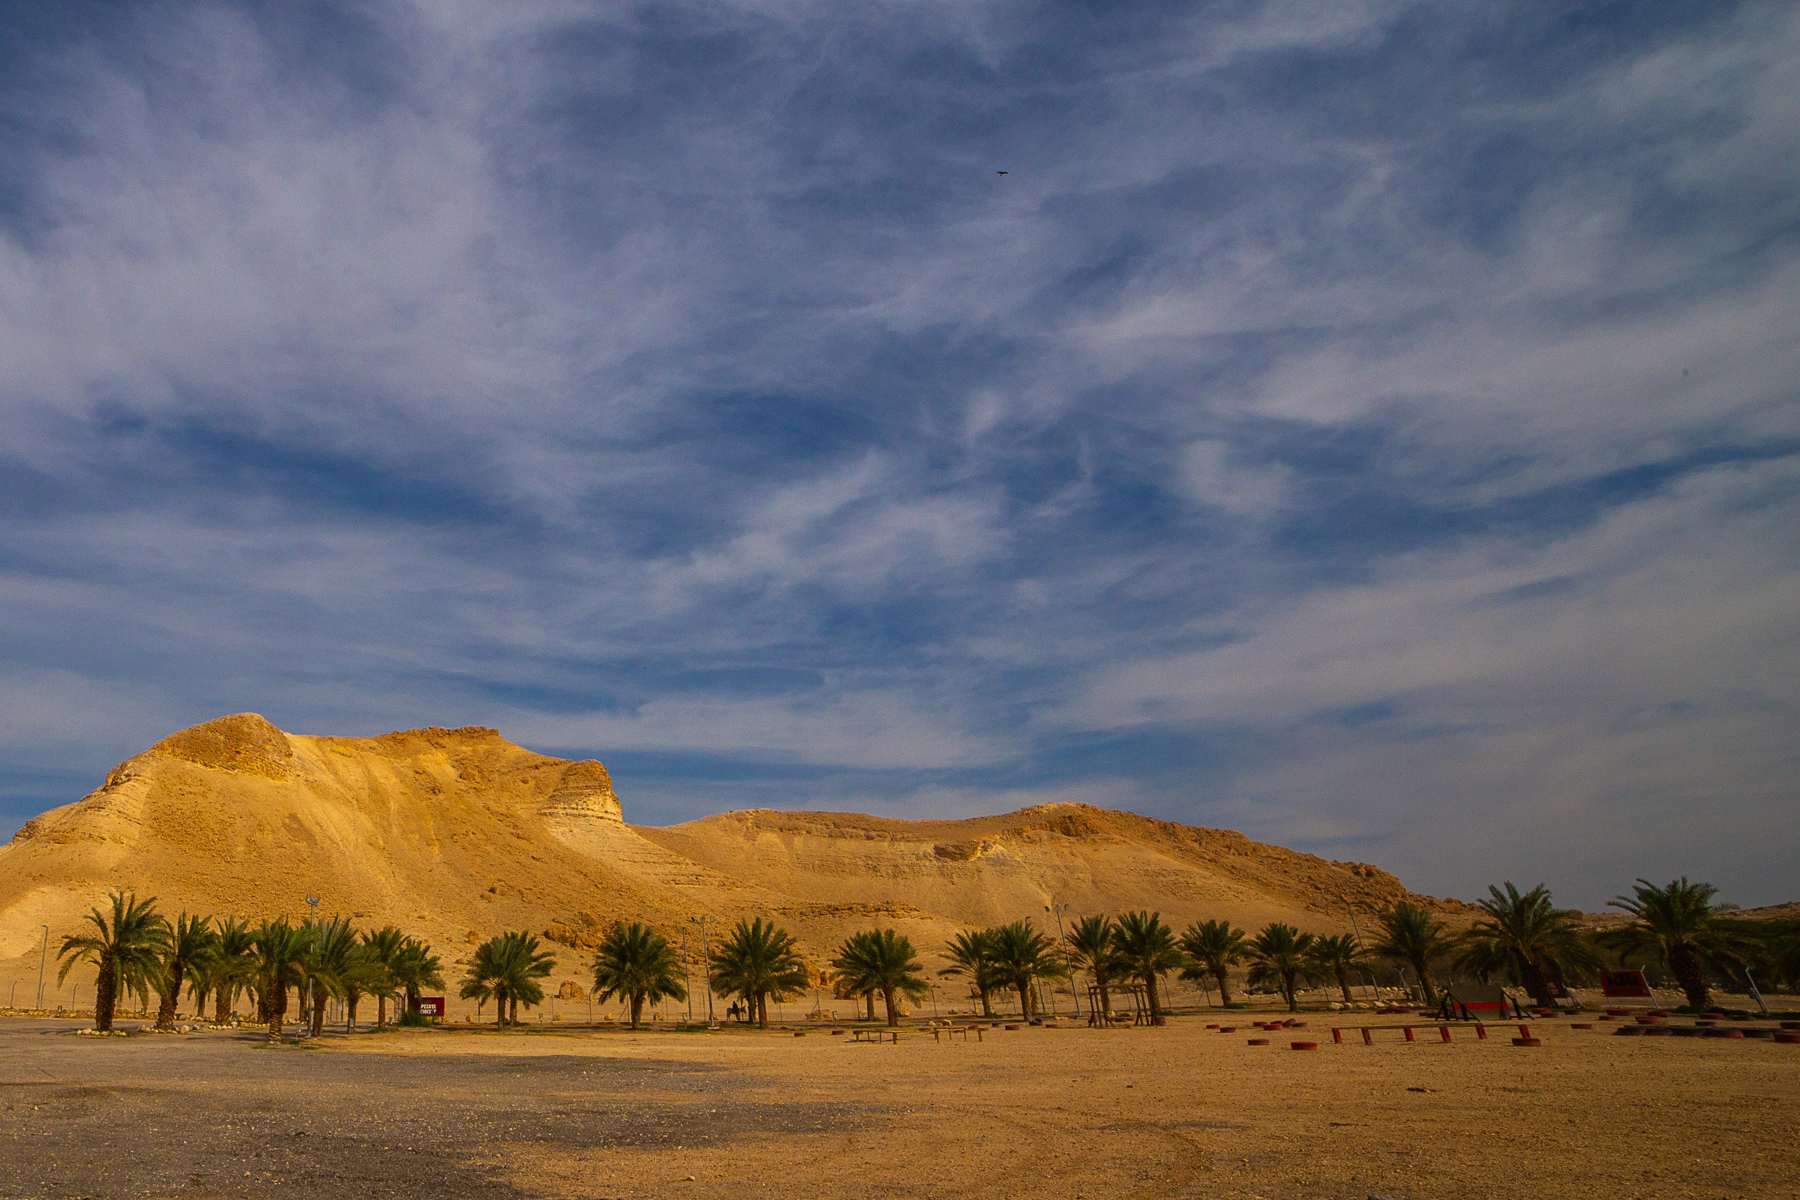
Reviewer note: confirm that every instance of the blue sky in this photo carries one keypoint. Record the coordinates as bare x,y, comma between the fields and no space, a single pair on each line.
1372,425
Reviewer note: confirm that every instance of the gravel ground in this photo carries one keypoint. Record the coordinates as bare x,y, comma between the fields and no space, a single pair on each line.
1071,1112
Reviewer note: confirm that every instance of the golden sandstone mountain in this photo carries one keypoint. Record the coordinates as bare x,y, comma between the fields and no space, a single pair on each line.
456,834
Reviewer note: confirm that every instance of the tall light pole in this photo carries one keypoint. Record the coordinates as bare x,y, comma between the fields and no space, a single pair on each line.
706,956
43,952
1057,908
1357,930
687,980
312,904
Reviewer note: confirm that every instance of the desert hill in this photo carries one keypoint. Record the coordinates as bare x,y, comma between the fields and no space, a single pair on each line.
456,834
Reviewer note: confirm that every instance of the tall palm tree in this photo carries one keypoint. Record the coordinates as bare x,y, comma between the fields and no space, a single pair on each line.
1091,947
331,959
231,967
189,945
637,963
880,960
1279,956
1529,938
1413,937
1021,956
1213,948
381,949
126,948
756,962
1679,924
971,955
1334,956
280,951
1147,951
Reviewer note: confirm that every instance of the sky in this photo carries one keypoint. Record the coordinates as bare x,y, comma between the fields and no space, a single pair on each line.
1369,425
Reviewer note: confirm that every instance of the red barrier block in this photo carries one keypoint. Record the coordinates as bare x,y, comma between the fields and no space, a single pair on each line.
1527,1041
1304,1045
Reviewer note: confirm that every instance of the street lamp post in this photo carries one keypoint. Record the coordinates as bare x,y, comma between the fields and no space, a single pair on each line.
1057,909
43,952
312,904
706,956
687,980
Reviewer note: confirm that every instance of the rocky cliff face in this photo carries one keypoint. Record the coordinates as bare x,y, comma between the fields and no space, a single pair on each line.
457,834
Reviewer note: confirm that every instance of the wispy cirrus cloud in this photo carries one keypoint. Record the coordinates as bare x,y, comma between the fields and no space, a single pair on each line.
1335,413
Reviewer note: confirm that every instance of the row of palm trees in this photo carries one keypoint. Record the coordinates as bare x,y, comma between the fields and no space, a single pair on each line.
137,950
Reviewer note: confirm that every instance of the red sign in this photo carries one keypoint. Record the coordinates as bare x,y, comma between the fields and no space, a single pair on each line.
1624,985
430,1006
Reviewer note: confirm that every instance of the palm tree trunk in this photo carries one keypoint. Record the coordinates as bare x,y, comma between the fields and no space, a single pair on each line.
274,1025
222,1003
1690,973
165,1011
1343,978
1156,1016
987,1006
350,1003
106,994
1024,986
1222,976
869,1002
1424,972
762,1010
512,1007
380,1011
1290,987
1536,983
887,998
318,1011
637,1008
1105,999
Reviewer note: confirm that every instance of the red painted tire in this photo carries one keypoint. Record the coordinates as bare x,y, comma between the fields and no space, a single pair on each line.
1228,1029
1580,1025
1527,1042
1259,1041
1304,1045
1789,1039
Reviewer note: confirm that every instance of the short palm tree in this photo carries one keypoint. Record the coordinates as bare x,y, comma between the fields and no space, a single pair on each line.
1147,951
1091,948
413,968
1333,956
381,950
1528,938
1021,956
190,944
331,958
756,962
231,967
880,960
514,964
126,949
1278,956
1213,948
1413,937
971,955
280,951
1679,924
637,964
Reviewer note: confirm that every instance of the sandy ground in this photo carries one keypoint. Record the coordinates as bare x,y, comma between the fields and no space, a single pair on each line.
1066,1112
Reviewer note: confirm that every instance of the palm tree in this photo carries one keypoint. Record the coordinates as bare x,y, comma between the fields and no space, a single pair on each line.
126,948
231,966
1214,947
1022,955
331,958
637,964
413,968
381,949
880,960
758,961
1679,924
1147,951
972,955
1332,956
1529,938
280,951
1279,956
188,946
1412,936
507,968
1091,947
